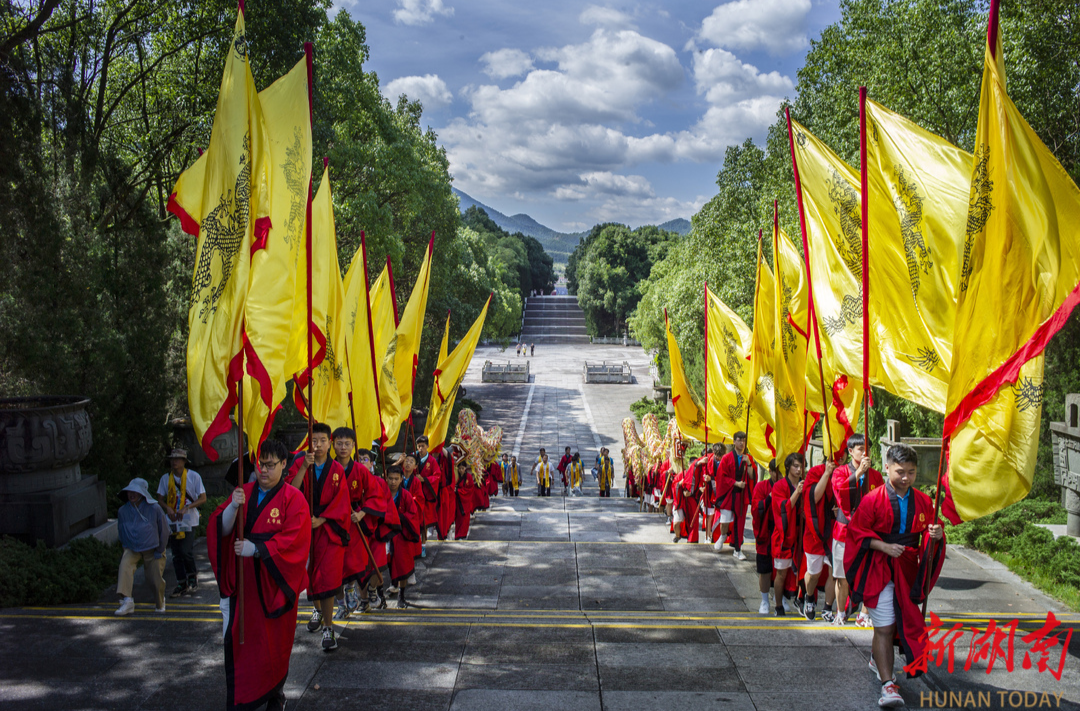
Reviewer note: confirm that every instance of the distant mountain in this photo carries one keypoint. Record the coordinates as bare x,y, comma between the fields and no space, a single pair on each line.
677,225
558,244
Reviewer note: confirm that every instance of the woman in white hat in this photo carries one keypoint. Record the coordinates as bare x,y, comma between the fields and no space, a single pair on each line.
144,533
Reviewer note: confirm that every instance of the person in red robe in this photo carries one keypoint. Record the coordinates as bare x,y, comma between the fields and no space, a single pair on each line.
563,464
690,491
404,547
494,478
894,553
447,492
431,473
275,523
378,533
762,521
734,485
786,538
464,484
366,498
817,516
322,482
850,483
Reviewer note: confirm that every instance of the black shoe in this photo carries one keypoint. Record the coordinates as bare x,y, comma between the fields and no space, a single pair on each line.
808,611
192,586
675,538
329,639
315,622
276,703
179,590
365,607
780,611
402,604
381,605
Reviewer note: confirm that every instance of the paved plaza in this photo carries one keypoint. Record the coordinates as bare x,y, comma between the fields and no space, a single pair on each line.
554,603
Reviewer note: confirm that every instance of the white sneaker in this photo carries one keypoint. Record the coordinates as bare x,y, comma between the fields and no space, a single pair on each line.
160,609
738,555
890,696
764,608
127,606
718,546
788,607
863,620
873,668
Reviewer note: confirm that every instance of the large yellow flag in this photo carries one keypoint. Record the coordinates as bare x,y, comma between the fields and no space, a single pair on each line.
728,384
688,411
448,376
272,282
360,351
398,369
1019,279
384,319
224,200
330,383
830,214
916,190
763,348
792,315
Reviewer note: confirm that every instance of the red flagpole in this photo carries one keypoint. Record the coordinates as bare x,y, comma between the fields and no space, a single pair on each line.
309,55
865,266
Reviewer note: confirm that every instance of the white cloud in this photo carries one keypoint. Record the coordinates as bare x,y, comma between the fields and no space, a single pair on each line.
775,25
420,12
505,63
649,211
429,90
605,183
605,17
722,78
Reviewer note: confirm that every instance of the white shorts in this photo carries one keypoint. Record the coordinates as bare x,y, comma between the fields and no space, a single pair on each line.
679,515
781,563
838,559
883,615
709,510
814,563
727,515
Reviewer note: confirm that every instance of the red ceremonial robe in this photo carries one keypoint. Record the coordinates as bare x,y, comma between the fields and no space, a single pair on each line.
738,499
447,494
687,500
847,493
817,517
280,528
432,474
563,464
406,547
914,572
424,494
379,531
664,478
330,495
786,535
465,498
495,474
365,495
761,517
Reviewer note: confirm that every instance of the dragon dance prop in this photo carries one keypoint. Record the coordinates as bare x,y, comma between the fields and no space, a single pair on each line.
480,448
634,452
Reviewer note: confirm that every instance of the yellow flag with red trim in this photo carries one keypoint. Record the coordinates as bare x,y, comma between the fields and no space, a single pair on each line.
729,391
398,369
448,377
360,350
224,200
1019,280
330,377
688,411
763,347
792,304
273,279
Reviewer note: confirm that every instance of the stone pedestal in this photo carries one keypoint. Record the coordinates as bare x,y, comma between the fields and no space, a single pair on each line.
928,449
43,494
1066,444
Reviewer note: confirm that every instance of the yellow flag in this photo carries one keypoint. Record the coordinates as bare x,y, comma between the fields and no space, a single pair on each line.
384,318
917,189
272,282
360,350
224,200
763,348
398,368
448,376
730,395
830,213
1019,279
792,315
688,411
330,382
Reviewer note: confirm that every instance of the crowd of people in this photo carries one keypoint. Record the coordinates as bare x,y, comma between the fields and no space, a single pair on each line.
868,543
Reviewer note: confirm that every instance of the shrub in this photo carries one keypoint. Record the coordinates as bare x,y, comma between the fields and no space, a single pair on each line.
646,405
36,575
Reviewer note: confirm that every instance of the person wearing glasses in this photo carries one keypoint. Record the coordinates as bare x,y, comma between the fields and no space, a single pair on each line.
264,532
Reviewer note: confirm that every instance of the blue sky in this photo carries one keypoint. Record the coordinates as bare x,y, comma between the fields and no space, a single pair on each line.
577,113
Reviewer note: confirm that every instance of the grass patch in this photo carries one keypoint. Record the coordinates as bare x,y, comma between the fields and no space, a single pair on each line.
1010,536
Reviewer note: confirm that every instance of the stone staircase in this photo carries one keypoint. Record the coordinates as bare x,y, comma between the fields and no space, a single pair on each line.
553,319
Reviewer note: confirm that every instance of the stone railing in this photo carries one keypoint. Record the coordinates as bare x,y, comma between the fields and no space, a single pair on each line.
608,372
507,372
1066,444
614,341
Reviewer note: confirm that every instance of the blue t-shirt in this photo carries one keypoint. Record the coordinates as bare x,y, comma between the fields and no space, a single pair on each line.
260,495
904,501
319,469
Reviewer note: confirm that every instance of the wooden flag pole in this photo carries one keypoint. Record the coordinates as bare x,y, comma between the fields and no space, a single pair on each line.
309,55
242,518
865,269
